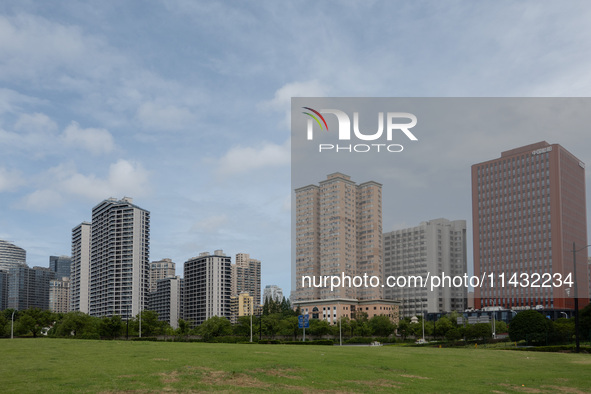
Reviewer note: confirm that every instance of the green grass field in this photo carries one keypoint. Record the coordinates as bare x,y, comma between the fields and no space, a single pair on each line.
59,365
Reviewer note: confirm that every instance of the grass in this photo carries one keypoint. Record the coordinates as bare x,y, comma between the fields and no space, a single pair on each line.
60,365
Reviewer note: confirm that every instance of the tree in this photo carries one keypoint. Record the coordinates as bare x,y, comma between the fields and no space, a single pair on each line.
563,330
183,328
404,329
150,324
363,329
75,324
288,326
442,326
110,327
213,327
381,326
271,324
319,328
34,320
585,322
242,327
530,326
453,334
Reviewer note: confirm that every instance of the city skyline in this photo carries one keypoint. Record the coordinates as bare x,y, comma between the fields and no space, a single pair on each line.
184,107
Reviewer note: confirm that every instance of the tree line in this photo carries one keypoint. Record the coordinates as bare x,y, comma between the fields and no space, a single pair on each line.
280,321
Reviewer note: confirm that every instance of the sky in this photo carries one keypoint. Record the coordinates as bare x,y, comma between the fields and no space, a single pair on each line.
184,106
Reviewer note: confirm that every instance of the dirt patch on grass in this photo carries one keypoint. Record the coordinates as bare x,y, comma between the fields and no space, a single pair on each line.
414,377
160,359
581,362
564,389
523,389
381,383
279,372
171,377
214,377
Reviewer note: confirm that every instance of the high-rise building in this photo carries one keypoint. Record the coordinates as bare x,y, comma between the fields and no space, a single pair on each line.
119,258
528,208
11,255
3,290
161,269
338,230
207,287
167,300
29,287
241,305
60,265
246,276
273,292
80,269
59,295
435,247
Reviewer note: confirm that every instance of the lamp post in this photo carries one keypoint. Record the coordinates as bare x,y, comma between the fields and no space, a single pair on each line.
576,288
12,325
565,314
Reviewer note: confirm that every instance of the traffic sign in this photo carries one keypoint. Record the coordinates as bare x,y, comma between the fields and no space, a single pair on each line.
303,321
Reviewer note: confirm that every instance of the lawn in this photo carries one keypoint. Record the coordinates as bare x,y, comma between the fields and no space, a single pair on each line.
60,365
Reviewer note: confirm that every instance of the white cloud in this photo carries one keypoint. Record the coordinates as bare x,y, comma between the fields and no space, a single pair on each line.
10,180
41,200
37,122
96,141
156,116
125,178
57,184
244,159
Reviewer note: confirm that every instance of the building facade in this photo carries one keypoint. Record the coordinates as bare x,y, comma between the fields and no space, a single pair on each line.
331,310
273,292
338,231
528,209
11,255
434,247
119,258
29,287
241,305
60,265
3,290
246,276
59,295
80,268
161,269
167,300
207,287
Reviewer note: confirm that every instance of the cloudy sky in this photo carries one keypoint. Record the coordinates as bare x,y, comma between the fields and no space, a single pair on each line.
184,105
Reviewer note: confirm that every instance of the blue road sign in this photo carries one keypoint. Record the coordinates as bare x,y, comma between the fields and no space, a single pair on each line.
303,321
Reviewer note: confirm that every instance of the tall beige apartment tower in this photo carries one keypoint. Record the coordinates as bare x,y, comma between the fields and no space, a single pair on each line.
338,231
161,269
80,268
528,208
246,277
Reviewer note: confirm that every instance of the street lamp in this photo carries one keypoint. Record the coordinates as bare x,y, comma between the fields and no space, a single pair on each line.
12,325
565,314
578,347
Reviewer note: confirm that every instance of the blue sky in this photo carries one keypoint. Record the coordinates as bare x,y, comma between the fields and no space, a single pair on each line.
184,105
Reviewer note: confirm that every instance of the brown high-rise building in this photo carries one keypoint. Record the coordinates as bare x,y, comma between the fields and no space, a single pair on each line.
338,230
528,208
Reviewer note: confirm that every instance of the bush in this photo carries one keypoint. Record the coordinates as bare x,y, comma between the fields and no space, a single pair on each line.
530,326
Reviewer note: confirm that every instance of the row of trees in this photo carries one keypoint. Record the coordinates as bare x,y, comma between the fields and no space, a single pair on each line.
279,320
